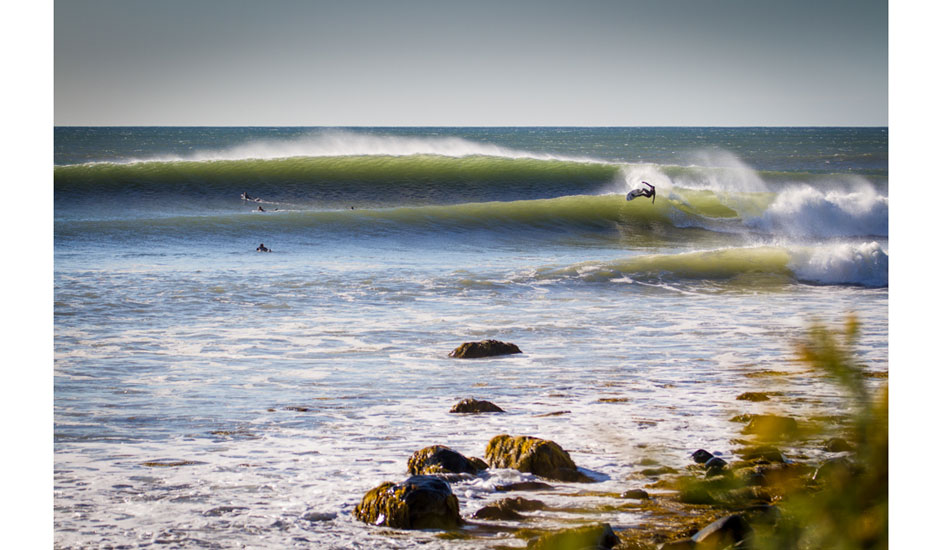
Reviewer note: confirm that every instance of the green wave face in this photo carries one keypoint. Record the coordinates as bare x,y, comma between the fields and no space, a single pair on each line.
362,180
720,264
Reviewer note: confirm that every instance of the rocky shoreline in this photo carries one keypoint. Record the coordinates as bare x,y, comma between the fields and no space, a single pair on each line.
785,473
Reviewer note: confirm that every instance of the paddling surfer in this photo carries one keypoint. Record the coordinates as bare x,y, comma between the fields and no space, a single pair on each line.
650,193
263,248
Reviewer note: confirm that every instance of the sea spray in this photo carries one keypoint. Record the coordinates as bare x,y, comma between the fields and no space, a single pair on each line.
805,211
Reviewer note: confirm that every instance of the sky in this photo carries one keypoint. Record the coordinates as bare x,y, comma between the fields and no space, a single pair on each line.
474,63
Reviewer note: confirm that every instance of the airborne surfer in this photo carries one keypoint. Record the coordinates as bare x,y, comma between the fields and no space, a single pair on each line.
651,192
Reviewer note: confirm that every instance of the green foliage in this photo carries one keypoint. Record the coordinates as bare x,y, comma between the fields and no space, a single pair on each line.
845,506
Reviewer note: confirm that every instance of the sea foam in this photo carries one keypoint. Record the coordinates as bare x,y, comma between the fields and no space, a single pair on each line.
804,211
845,263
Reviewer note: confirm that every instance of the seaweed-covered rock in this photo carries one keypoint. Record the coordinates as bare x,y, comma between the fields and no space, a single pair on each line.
837,445
715,466
753,396
725,532
594,537
471,405
508,508
439,459
540,457
523,486
420,502
638,494
485,348
762,453
771,427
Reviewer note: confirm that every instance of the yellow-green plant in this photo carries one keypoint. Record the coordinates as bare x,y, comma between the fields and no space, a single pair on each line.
845,507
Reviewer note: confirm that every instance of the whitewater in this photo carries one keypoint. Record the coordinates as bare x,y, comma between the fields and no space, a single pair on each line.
207,395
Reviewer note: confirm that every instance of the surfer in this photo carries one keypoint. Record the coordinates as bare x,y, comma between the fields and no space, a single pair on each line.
246,197
651,193
261,209
263,248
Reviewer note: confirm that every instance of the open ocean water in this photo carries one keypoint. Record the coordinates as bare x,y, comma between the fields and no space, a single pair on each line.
211,396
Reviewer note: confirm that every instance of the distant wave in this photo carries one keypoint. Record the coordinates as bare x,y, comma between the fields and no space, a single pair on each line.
502,188
864,264
440,178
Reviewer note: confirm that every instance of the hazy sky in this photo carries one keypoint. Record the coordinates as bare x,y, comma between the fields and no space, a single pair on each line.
481,62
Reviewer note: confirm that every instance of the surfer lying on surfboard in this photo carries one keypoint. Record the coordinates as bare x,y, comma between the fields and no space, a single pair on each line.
651,192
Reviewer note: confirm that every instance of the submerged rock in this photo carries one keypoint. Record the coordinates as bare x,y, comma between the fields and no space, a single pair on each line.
540,457
485,348
508,508
314,517
753,396
420,502
524,486
471,405
439,459
592,537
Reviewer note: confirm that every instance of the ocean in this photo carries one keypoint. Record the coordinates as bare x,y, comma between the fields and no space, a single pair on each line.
211,396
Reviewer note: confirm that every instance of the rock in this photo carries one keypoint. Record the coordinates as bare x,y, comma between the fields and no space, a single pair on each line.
638,494
497,512
715,466
314,517
439,459
837,445
420,502
753,396
475,406
485,348
657,472
223,510
837,471
593,537
771,427
763,453
530,454
524,486
507,509
723,533
701,456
